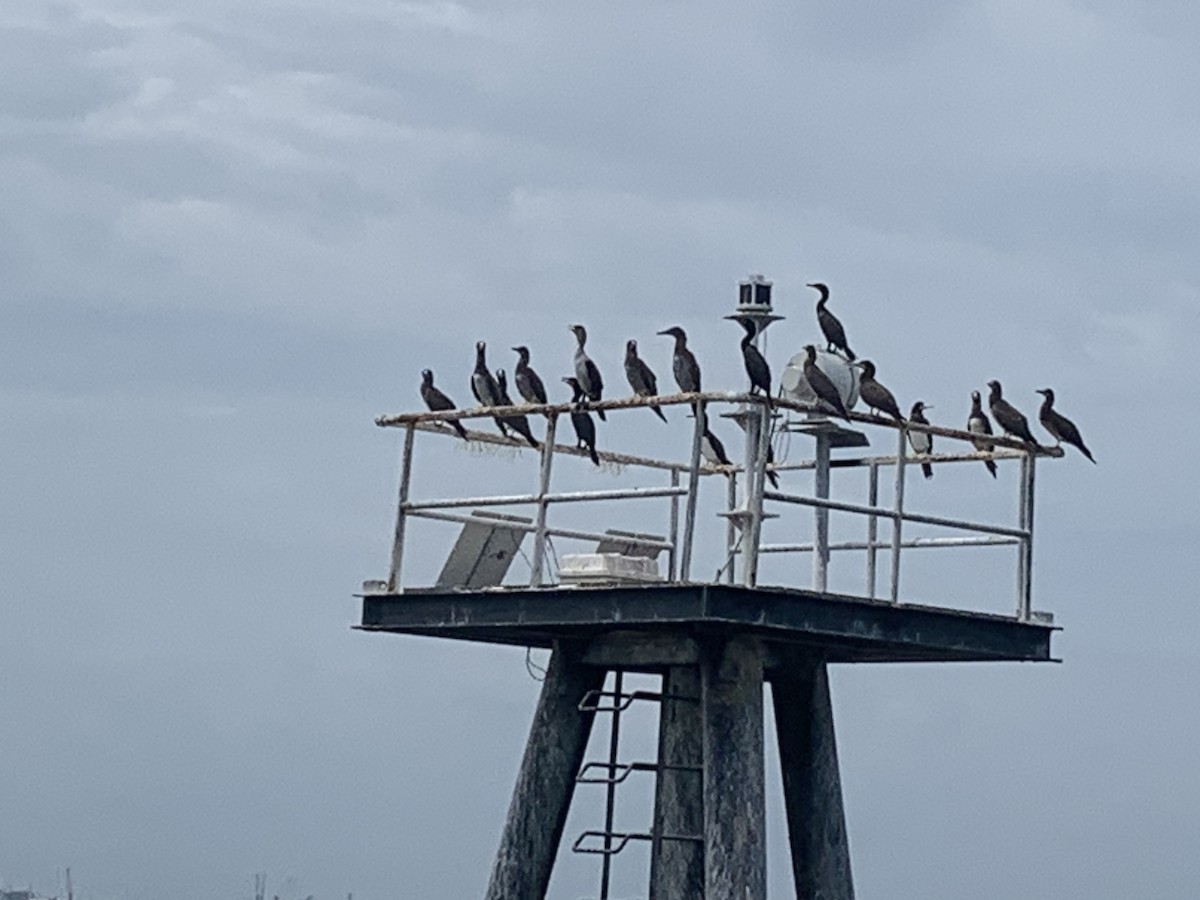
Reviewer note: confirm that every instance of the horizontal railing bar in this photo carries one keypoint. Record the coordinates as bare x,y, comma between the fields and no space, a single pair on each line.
912,543
480,412
529,527
569,497
608,456
891,514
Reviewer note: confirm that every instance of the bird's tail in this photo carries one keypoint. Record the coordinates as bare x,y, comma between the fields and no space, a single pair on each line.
850,354
591,448
1088,453
458,426
991,466
658,412
927,469
600,413
773,478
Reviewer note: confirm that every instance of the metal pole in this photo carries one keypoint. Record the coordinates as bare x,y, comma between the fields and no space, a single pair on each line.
689,523
753,425
539,535
610,801
872,528
898,521
673,531
730,525
1025,600
821,534
406,458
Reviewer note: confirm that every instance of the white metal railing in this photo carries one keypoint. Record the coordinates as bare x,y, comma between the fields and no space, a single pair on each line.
744,522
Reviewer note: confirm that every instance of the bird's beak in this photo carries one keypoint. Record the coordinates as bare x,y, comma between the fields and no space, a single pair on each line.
927,407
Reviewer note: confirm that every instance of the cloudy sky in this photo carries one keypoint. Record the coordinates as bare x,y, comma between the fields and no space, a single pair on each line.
232,233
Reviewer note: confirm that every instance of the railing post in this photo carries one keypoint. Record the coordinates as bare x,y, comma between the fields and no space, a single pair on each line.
821,529
539,536
673,531
1025,568
898,519
689,522
872,527
730,526
393,583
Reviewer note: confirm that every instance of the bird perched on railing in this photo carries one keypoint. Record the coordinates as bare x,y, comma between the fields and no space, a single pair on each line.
641,378
439,402
585,428
683,362
518,423
875,395
483,384
978,423
1007,416
1061,428
922,442
820,383
529,385
756,364
835,334
712,449
586,372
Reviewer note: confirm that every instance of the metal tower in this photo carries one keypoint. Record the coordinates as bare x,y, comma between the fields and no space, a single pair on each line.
714,642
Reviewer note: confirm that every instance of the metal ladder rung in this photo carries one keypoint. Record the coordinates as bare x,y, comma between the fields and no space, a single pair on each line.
591,700
619,840
624,769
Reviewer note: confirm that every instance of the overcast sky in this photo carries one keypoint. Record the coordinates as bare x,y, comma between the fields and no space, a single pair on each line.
232,233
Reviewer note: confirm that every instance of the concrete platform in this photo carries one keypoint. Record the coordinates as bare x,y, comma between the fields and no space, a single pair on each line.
648,627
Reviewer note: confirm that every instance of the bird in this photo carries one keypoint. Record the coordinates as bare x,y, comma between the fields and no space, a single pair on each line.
756,364
835,334
518,423
439,402
483,384
585,428
771,476
1007,417
875,395
529,385
820,383
586,372
979,423
712,449
683,363
922,442
1060,427
641,379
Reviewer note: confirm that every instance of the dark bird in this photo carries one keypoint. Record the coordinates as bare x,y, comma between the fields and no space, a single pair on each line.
484,386
820,383
771,476
439,402
875,395
641,379
519,424
683,364
1061,428
586,372
922,443
979,423
756,364
529,385
835,334
712,449
1007,417
585,428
